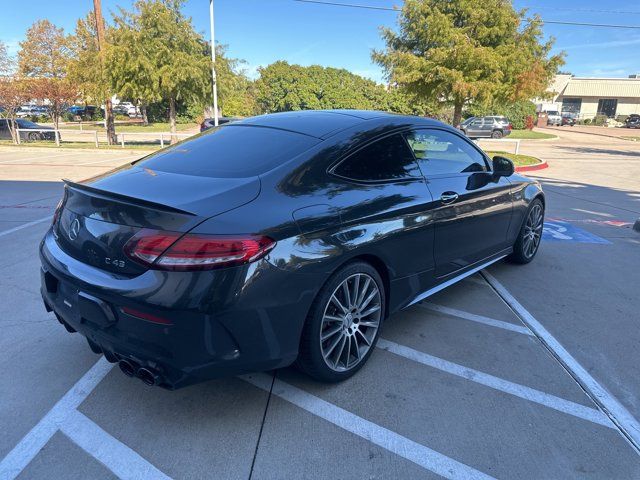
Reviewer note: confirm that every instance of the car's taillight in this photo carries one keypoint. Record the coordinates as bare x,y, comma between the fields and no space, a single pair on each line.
174,251
509,127
56,212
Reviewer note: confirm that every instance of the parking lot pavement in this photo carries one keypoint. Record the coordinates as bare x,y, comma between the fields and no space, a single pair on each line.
459,386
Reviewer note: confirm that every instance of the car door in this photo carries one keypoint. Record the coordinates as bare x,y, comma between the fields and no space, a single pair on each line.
4,129
475,128
472,208
385,207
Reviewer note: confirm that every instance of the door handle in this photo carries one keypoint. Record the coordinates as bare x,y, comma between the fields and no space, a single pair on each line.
448,197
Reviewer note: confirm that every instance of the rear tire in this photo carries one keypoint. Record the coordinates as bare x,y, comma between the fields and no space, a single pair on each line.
530,235
343,324
497,134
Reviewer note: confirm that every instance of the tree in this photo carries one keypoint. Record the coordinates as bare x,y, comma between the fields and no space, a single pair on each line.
171,54
43,59
59,92
283,87
6,61
44,51
236,95
14,92
85,67
466,51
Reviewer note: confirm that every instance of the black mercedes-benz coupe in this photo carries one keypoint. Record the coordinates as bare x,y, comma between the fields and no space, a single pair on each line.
282,238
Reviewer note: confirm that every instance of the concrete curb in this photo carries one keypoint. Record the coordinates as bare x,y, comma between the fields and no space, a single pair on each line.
560,129
71,150
530,168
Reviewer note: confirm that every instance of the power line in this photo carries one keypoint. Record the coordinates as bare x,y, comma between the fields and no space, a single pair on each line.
583,10
582,24
549,22
350,5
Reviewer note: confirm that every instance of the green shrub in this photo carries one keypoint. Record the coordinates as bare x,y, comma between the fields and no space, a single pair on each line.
622,118
600,120
587,121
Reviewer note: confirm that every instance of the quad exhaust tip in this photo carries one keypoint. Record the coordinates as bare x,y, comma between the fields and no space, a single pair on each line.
127,368
130,369
148,376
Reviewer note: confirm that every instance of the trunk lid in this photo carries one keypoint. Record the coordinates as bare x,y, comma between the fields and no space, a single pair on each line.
100,216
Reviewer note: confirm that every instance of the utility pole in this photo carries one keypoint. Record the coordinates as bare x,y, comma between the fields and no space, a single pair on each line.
213,66
108,110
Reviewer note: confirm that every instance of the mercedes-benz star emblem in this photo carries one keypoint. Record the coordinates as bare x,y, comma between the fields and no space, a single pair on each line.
74,229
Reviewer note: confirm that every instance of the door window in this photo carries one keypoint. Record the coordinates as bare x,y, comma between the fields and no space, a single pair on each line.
439,152
386,159
608,107
571,105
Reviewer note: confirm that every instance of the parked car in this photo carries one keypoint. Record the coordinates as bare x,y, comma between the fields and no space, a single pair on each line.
23,124
569,118
486,127
632,121
82,110
209,123
31,110
126,108
554,118
280,237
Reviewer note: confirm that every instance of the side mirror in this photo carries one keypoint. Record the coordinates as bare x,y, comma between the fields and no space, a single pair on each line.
503,167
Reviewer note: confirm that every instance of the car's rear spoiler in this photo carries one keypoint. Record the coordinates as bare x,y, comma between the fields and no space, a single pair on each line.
123,198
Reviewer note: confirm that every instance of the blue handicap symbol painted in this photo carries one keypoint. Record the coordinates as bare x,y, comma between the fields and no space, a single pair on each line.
558,231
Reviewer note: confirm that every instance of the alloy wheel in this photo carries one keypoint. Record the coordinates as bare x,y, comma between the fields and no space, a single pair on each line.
350,322
532,231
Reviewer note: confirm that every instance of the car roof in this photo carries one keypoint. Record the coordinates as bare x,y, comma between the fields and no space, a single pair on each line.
320,123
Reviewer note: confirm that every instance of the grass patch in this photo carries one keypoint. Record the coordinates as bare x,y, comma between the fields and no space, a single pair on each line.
529,135
632,139
133,128
518,160
83,145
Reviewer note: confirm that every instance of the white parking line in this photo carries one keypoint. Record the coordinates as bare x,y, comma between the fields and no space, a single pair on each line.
113,454
25,225
38,158
476,318
623,419
383,437
18,458
515,389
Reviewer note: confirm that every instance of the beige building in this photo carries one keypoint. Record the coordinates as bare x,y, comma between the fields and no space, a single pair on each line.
589,97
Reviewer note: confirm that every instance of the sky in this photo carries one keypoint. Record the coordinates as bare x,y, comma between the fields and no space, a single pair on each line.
263,31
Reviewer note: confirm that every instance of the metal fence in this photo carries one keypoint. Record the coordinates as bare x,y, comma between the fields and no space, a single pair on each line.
161,136
501,140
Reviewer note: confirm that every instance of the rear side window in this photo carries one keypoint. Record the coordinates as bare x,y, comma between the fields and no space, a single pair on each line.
386,159
231,151
439,152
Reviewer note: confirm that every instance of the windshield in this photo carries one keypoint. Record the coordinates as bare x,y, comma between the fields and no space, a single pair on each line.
26,124
230,151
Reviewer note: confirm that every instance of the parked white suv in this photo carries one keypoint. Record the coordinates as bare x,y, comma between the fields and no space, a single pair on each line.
554,118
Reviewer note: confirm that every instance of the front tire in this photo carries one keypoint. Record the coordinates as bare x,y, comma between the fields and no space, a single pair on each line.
343,324
530,235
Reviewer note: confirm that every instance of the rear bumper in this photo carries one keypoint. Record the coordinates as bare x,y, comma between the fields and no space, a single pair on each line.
218,323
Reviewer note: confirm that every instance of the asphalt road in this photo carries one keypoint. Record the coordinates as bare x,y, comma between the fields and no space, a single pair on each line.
460,386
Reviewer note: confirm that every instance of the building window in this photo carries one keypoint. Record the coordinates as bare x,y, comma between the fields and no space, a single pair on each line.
608,107
571,105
